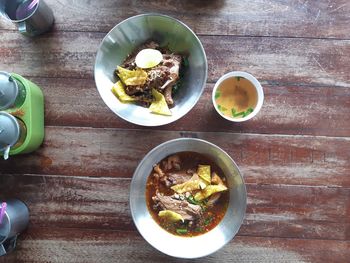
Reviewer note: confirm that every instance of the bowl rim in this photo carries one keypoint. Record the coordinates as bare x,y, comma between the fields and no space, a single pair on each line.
141,163
257,86
167,121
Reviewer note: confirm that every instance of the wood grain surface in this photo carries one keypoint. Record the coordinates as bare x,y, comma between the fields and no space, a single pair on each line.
286,110
307,212
263,159
294,155
89,246
298,77
273,60
294,18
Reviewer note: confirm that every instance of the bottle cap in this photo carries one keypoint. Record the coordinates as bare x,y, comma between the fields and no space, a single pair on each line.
8,90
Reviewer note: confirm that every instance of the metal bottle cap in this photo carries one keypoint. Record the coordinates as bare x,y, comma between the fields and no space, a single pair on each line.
9,131
8,90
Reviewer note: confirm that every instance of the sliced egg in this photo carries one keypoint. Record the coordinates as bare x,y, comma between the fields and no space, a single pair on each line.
148,58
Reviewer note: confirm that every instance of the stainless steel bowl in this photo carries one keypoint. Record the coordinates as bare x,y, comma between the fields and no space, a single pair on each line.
131,33
188,247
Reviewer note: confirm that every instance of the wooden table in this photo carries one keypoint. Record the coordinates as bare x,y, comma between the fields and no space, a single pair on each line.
295,155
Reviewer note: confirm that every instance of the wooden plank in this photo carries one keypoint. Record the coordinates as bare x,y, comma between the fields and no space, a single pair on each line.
275,60
58,54
103,203
297,211
281,60
268,159
53,245
268,18
286,110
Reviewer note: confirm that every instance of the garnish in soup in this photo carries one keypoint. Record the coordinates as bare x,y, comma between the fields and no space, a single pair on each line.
187,194
236,97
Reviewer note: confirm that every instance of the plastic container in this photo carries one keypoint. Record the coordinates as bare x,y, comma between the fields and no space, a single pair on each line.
24,101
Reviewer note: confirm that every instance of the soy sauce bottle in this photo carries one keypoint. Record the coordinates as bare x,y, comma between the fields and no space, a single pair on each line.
13,132
21,115
12,92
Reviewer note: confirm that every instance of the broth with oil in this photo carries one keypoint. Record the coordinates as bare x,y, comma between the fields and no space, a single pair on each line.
176,185
236,97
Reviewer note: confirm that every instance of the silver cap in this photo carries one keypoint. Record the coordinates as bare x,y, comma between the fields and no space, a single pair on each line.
9,131
8,90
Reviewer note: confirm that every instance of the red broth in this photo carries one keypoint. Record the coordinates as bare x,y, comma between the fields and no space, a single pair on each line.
211,215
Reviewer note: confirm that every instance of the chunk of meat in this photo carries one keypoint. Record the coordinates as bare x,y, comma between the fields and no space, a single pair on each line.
168,83
158,170
173,161
173,62
158,76
134,89
129,62
142,96
150,44
168,94
213,199
176,178
185,209
167,90
170,179
215,179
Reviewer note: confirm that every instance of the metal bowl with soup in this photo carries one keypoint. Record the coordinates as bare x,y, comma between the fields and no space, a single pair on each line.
184,194
150,69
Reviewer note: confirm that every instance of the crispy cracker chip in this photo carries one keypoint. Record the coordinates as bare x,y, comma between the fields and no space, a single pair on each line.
170,216
159,105
132,77
204,172
193,184
208,191
119,91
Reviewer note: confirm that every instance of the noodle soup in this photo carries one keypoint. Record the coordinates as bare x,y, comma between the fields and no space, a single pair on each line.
187,194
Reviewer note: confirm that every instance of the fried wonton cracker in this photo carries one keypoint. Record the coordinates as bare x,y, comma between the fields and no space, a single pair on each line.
132,77
159,105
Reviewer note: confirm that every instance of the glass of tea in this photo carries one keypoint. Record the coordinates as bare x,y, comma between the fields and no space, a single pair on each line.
238,96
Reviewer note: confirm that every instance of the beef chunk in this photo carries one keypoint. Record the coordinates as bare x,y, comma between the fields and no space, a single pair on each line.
185,209
170,179
158,76
173,62
173,161
178,177
213,199
158,170
168,95
150,44
133,90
